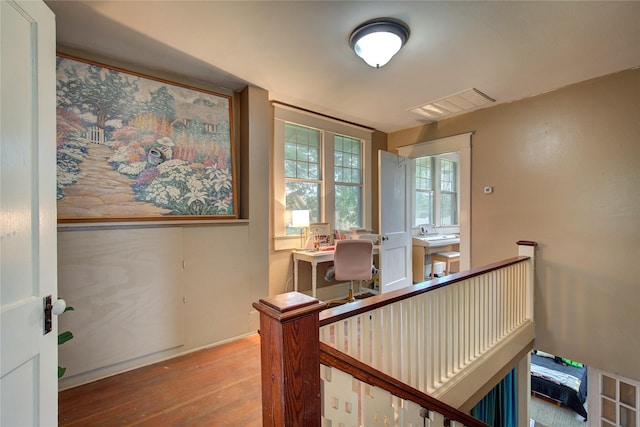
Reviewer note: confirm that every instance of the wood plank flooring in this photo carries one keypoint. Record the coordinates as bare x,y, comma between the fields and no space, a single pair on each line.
214,387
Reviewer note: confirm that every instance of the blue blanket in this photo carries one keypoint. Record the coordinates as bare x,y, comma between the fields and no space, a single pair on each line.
552,386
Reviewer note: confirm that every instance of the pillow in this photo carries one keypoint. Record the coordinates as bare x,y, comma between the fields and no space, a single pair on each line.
543,354
570,362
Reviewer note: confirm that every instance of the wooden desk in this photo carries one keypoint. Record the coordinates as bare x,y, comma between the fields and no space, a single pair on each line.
314,258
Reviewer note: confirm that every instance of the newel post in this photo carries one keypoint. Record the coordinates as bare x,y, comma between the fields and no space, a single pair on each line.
523,371
290,359
528,248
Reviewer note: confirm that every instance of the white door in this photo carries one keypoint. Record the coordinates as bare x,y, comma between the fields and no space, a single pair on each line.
28,359
395,221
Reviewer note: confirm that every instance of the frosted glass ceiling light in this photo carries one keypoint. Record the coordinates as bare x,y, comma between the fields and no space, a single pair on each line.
376,41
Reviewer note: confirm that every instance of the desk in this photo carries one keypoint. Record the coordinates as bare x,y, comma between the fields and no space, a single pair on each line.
422,249
314,258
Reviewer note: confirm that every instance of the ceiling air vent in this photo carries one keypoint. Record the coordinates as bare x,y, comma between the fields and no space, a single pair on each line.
467,100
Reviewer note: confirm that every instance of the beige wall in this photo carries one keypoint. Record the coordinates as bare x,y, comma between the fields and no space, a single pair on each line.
378,142
565,167
206,275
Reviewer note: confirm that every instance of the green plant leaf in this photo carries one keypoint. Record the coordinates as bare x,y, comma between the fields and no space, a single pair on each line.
64,337
61,371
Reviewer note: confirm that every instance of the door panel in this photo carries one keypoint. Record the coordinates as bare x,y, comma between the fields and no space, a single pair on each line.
28,381
395,221
22,379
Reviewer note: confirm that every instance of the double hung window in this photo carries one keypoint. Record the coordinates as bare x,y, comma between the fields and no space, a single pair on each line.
302,172
320,166
436,190
424,190
448,192
348,184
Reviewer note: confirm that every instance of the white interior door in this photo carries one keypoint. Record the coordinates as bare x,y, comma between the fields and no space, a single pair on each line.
28,382
395,221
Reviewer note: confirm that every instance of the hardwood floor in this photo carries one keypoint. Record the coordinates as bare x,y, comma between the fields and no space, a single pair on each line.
214,387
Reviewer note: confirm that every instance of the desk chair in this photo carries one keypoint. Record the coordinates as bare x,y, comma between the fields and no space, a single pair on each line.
352,260
446,257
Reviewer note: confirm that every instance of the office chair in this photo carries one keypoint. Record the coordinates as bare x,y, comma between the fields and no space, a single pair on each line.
352,260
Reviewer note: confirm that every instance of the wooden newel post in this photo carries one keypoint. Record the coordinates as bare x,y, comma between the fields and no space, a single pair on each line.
290,359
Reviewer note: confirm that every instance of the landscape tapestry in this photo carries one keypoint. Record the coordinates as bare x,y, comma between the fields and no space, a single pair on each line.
131,147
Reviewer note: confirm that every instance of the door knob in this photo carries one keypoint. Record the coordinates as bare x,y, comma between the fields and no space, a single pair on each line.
59,307
56,308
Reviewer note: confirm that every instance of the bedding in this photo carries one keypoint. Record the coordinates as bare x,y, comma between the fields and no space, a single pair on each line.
565,384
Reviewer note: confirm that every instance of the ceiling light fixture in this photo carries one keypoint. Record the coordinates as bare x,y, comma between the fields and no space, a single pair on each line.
377,40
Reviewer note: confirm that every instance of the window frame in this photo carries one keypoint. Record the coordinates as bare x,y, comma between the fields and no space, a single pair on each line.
329,128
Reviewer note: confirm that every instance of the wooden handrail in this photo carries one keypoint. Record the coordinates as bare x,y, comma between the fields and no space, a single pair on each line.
329,356
345,311
291,351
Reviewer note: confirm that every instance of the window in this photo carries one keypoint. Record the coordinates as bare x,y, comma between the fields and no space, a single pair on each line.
615,401
320,165
448,192
347,154
302,172
436,190
424,191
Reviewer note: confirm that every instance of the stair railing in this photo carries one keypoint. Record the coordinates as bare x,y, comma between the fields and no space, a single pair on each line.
393,358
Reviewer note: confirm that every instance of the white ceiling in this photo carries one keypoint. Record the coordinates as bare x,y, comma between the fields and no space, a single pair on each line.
299,51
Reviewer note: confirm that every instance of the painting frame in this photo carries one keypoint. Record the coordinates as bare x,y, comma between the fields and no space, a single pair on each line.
133,147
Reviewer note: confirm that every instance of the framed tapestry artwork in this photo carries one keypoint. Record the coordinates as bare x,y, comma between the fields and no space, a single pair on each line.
131,147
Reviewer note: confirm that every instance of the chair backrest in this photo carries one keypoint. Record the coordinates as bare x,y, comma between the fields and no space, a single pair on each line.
353,259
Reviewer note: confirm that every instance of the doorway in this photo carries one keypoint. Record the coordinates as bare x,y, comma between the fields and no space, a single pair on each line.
461,145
